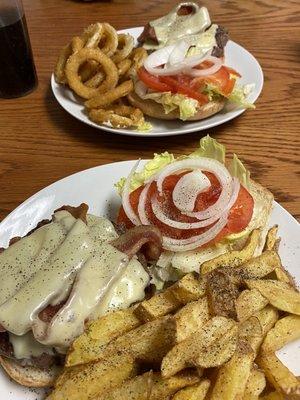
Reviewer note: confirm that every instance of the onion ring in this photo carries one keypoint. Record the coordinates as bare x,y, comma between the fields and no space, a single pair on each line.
76,60
109,41
104,100
59,71
92,35
95,80
108,117
77,44
123,66
125,46
88,70
138,57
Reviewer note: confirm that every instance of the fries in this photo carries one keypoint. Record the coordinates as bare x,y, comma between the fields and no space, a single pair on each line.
97,65
189,328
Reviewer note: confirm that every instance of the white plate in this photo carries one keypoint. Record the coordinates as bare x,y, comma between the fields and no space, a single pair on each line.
236,57
95,187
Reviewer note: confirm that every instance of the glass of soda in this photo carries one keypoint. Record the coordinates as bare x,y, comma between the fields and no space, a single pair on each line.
17,70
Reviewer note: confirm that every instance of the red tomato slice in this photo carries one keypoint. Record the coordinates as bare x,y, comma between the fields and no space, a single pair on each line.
152,81
233,71
239,216
184,89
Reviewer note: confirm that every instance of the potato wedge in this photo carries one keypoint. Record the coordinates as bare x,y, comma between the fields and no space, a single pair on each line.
255,384
95,378
189,288
248,303
233,258
280,294
211,346
221,293
190,318
283,276
259,267
195,392
149,342
250,331
272,396
271,238
286,330
150,386
233,376
267,318
100,332
279,375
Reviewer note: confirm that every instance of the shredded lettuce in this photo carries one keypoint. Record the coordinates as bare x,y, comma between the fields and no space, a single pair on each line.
144,127
238,95
187,106
208,147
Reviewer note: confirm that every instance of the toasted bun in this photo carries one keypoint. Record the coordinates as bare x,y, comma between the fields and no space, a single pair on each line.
29,375
156,110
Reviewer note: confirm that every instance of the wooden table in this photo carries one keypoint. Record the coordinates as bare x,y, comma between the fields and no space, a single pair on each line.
40,142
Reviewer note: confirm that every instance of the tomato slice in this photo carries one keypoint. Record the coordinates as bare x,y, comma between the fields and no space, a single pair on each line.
238,219
152,81
233,71
179,87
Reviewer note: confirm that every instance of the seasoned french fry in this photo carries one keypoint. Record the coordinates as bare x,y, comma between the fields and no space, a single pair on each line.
195,392
99,333
255,384
267,318
259,267
280,294
211,346
233,258
272,396
271,238
189,288
248,303
250,331
95,378
191,318
233,376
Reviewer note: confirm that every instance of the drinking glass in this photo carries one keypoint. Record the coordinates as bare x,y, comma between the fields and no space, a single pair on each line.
17,70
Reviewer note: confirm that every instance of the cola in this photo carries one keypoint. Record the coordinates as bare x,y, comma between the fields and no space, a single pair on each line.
17,70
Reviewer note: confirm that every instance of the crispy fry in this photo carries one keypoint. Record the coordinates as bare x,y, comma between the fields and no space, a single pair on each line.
267,318
189,288
104,100
248,303
211,346
195,392
259,267
76,60
279,294
251,332
272,396
233,258
271,238
190,318
255,384
100,333
59,71
125,46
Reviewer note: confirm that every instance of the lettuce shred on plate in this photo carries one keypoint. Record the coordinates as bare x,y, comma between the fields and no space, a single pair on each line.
208,147
238,96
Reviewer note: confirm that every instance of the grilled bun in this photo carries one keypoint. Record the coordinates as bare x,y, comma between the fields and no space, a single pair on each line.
29,376
156,110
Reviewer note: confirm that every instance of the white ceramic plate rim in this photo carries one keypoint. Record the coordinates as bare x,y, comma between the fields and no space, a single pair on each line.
95,187
66,100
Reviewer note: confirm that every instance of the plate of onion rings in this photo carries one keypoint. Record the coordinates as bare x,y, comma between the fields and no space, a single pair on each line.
96,74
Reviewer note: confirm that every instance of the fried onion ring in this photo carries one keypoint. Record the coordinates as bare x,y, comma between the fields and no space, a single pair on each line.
59,71
95,80
104,100
77,59
108,117
124,66
77,43
92,35
125,46
109,40
88,70
138,56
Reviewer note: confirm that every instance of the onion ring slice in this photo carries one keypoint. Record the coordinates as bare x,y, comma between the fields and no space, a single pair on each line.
125,46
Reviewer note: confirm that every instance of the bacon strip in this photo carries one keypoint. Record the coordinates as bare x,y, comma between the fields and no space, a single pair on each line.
148,239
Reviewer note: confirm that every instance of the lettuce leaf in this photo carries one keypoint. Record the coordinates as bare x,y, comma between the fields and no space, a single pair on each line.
187,106
208,147
238,96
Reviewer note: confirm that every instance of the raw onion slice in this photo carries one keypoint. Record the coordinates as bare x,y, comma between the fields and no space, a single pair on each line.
194,242
125,197
205,164
142,205
217,64
179,53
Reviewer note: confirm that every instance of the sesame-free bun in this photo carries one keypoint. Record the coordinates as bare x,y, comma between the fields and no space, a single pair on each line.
156,110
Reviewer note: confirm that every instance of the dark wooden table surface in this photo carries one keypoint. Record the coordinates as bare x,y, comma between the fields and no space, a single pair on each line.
40,143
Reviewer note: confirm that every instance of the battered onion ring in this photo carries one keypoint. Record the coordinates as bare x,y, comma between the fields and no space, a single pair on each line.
77,59
125,46
95,80
92,35
59,71
104,100
108,117
109,40
123,66
77,43
138,56
88,70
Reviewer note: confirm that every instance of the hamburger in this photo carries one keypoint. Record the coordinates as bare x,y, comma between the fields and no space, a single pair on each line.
185,76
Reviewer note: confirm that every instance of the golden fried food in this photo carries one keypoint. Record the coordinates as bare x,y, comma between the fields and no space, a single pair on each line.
255,384
59,71
125,46
123,66
105,99
74,81
95,80
195,392
108,117
248,303
138,56
88,70
109,40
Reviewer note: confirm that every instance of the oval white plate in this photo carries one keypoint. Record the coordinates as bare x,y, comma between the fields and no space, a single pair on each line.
236,57
95,187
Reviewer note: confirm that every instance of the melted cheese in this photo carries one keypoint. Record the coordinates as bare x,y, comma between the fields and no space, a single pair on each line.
26,346
65,259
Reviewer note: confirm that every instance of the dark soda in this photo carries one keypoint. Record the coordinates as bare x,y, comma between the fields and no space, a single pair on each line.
17,70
